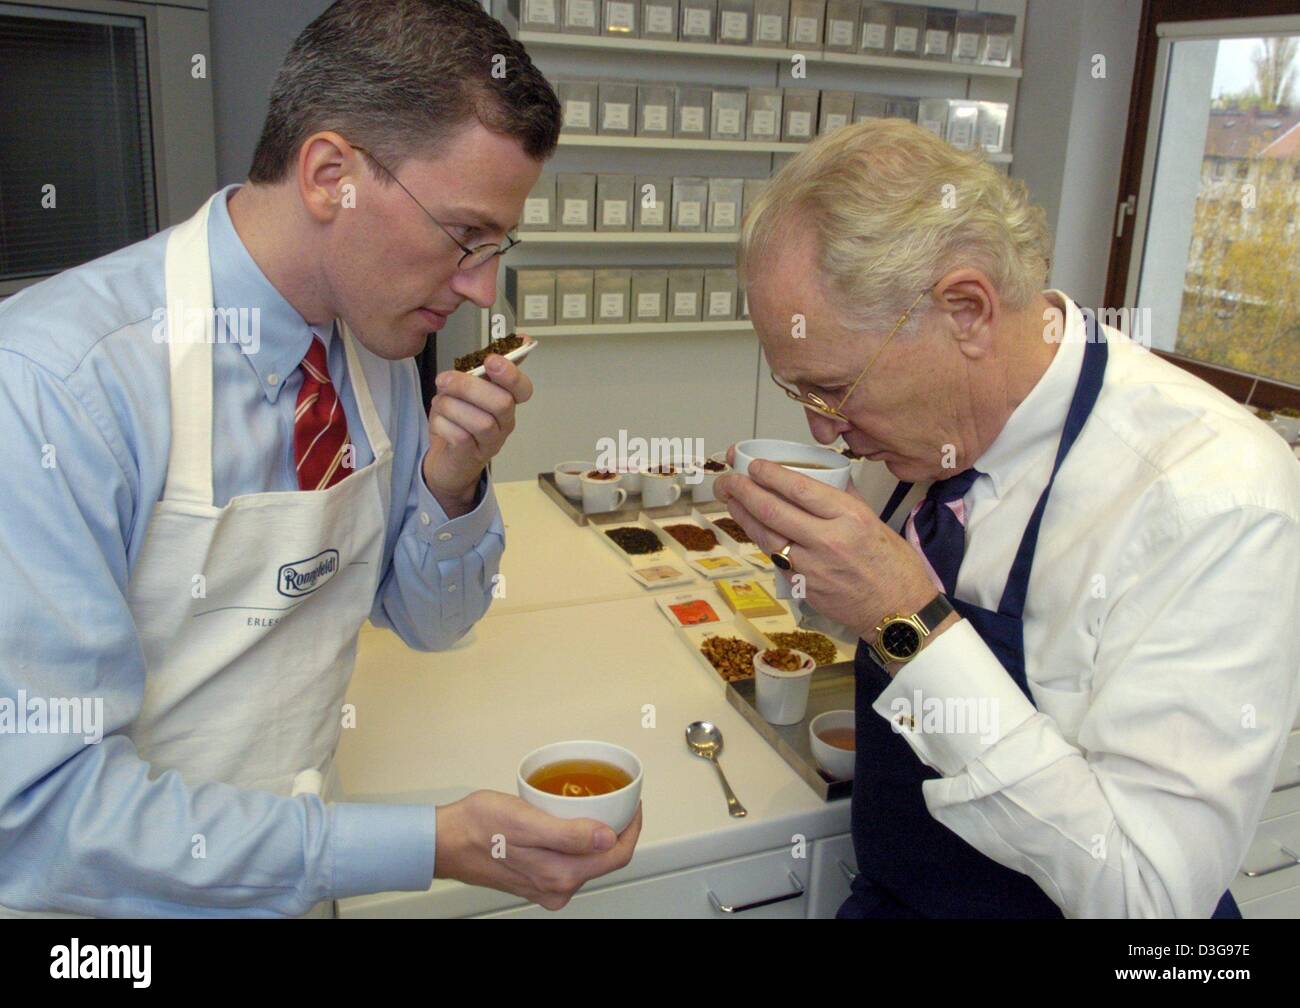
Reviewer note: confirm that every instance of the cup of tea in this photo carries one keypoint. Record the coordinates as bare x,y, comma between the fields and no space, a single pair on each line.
659,487
568,477
782,677
701,476
832,737
631,473
582,780
601,491
822,464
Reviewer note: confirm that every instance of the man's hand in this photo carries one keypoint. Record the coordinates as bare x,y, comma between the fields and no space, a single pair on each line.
497,840
856,569
469,420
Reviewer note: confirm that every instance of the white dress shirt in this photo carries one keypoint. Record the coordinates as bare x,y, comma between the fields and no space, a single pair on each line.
1160,634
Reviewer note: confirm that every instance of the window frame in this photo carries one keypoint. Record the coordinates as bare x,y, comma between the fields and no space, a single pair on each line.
1137,168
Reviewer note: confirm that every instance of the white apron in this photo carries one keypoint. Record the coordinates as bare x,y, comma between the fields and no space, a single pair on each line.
248,614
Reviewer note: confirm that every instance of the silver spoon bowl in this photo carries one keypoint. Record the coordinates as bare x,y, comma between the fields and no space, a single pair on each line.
705,740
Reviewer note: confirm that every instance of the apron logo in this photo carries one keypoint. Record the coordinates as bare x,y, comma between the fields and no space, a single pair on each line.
302,577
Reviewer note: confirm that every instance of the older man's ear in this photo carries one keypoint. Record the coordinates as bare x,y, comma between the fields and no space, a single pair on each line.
969,310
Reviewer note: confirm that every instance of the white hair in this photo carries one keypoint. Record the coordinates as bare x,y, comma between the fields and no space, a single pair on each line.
892,209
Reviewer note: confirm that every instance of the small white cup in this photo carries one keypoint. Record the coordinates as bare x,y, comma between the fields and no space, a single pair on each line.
782,697
615,809
658,490
601,495
837,762
568,477
837,475
631,477
701,480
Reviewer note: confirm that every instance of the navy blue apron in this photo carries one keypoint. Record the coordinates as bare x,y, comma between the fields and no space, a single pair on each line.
909,864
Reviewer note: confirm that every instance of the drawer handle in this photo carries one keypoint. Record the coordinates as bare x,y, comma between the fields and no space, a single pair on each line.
1295,860
729,909
849,873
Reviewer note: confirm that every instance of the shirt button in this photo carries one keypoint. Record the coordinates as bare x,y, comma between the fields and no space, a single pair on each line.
273,379
451,588
444,536
424,517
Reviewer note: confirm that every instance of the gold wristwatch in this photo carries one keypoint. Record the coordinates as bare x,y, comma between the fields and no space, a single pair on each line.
898,638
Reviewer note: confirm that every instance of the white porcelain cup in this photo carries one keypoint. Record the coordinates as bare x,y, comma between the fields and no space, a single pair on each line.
782,697
631,474
615,809
568,477
837,474
600,495
701,480
658,490
837,762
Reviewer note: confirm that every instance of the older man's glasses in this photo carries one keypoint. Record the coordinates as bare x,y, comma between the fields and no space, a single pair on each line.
812,401
472,257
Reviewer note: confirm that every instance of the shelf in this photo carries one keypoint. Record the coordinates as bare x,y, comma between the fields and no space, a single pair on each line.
628,238
636,329
655,46
672,143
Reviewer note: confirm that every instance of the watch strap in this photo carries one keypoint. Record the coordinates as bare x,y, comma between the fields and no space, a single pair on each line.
935,612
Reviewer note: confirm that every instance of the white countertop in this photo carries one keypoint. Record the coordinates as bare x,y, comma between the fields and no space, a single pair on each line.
433,727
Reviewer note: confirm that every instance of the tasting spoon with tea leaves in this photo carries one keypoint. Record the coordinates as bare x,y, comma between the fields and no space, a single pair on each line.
705,741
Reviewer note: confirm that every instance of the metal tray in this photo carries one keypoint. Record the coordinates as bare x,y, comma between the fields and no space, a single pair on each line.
831,689
630,513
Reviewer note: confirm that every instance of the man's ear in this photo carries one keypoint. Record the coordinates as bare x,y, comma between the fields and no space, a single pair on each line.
968,310
326,163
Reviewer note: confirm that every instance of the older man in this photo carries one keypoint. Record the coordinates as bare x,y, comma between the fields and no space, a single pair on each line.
1103,568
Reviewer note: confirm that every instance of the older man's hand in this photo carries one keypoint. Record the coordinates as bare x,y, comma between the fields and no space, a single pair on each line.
856,569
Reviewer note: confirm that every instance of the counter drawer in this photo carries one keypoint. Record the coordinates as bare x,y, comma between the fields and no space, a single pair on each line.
686,894
1273,857
833,865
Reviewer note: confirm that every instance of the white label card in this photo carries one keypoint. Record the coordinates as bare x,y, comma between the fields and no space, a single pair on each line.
577,114
535,306
611,305
575,211
616,116
688,213
614,213
537,210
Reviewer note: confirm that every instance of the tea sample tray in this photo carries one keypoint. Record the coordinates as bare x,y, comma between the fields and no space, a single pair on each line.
716,562
748,552
630,512
658,569
831,689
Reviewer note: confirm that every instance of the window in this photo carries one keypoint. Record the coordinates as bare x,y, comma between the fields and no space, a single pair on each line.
1218,276
76,162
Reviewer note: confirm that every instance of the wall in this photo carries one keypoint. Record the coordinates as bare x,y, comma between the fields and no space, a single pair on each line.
1070,132
1068,140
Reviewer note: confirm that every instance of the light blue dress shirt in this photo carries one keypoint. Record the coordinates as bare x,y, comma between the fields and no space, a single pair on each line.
84,437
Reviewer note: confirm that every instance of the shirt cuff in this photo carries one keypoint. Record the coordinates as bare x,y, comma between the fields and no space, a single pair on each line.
960,700
382,848
454,538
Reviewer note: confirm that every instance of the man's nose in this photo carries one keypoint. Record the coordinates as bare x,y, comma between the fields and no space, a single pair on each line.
478,284
824,429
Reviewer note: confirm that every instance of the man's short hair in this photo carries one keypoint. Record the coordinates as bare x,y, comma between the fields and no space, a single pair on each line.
400,77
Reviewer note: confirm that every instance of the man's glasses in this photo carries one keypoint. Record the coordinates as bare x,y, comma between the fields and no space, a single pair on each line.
820,406
472,257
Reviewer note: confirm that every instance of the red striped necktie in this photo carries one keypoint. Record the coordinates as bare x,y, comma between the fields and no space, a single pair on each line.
320,428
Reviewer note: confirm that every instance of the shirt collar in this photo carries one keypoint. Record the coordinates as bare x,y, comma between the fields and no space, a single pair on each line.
239,283
1036,424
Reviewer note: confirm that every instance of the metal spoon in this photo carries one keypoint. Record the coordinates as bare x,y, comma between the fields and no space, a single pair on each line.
705,741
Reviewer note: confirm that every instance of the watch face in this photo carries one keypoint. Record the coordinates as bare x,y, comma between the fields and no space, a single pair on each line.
900,639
